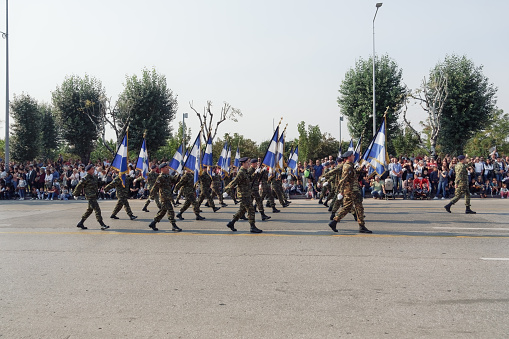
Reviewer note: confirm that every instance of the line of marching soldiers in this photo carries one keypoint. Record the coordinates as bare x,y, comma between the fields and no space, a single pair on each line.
244,186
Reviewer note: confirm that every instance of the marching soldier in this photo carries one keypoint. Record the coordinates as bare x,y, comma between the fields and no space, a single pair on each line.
267,191
277,188
231,192
243,183
216,185
151,179
255,173
186,186
163,185
349,190
333,177
205,182
122,195
461,185
89,184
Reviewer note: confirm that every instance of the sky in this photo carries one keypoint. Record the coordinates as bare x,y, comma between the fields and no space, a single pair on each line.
270,59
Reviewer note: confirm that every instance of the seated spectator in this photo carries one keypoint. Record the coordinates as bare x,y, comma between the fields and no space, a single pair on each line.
408,186
493,188
378,188
52,193
421,186
504,192
479,187
310,190
65,193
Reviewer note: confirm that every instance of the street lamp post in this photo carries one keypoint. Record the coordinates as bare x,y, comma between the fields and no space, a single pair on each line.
378,5
184,116
340,119
5,35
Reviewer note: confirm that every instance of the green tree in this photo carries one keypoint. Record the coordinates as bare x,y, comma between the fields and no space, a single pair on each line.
26,129
470,103
78,129
356,96
495,134
147,104
101,152
406,143
49,132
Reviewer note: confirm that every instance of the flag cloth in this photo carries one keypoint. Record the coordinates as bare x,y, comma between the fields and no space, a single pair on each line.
281,152
357,151
350,147
142,163
120,162
221,162
339,152
293,160
236,162
177,161
207,156
377,154
194,155
228,162
269,159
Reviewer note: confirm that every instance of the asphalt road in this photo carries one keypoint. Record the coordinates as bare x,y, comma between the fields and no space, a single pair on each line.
422,273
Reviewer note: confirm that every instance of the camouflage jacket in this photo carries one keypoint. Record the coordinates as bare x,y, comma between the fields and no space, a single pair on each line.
243,183
349,177
216,180
89,184
164,186
186,183
265,177
205,180
122,192
151,179
255,178
461,175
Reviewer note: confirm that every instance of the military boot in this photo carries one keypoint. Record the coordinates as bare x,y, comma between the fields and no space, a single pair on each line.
255,229
153,226
231,225
325,204
320,201
179,215
132,217
82,225
177,203
175,228
354,216
199,217
114,217
243,217
207,204
223,204
235,201
333,224
448,207
103,225
332,215
275,210
469,211
254,206
265,216
144,209
330,208
267,204
215,209
363,229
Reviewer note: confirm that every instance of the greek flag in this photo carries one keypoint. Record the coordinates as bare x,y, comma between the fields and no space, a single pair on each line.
339,152
280,152
207,157
121,160
269,159
376,154
193,160
221,162
357,151
228,162
142,163
177,161
350,147
293,160
236,161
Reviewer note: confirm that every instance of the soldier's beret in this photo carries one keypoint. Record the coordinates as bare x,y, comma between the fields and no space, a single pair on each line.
327,164
89,167
461,157
346,154
153,166
254,161
244,159
163,165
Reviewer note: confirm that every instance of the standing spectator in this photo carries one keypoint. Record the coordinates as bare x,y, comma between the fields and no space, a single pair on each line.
32,174
488,170
433,179
21,188
478,166
48,180
443,181
395,172
317,170
498,169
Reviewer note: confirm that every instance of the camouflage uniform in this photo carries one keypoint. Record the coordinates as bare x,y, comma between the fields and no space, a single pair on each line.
122,194
151,179
462,184
205,190
216,187
164,186
334,177
89,184
266,190
277,188
243,183
351,194
255,192
186,186
231,191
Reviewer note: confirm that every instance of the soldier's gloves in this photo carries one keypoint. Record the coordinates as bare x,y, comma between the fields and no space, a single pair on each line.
340,196
325,184
225,195
257,170
322,178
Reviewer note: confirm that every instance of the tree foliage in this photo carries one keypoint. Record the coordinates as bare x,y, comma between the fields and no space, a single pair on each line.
315,145
495,134
147,104
78,129
407,143
49,132
26,129
470,103
356,96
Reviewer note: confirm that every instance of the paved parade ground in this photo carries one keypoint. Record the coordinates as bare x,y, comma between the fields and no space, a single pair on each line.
422,273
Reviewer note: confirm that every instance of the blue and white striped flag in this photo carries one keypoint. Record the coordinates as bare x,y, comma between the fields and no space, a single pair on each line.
207,156
281,152
376,155
142,163
228,162
177,161
120,163
269,159
293,160
236,161
221,162
194,156
350,147
357,151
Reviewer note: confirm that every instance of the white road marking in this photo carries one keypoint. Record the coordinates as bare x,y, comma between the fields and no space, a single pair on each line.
472,228
500,259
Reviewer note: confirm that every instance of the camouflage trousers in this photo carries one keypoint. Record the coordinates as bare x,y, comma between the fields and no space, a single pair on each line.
267,194
331,192
279,194
259,201
232,192
246,205
352,200
336,205
156,198
216,191
93,205
205,194
166,207
179,195
459,193
190,200
122,202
